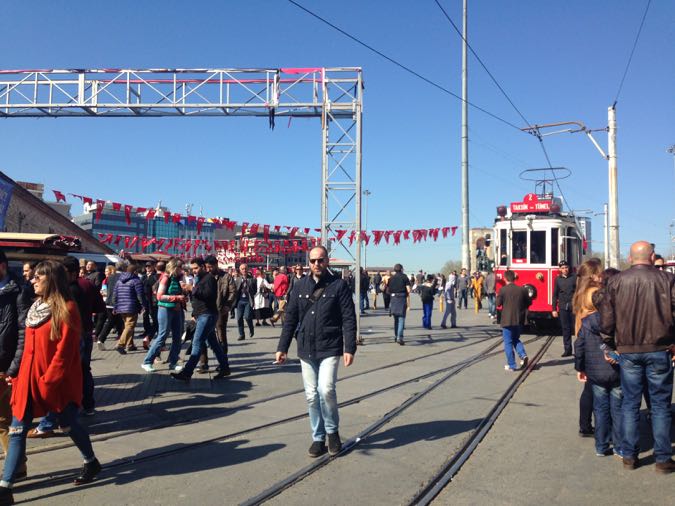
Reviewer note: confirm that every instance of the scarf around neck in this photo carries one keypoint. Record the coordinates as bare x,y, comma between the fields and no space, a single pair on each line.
38,313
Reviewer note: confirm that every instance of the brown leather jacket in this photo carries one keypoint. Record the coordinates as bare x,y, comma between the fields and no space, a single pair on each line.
638,310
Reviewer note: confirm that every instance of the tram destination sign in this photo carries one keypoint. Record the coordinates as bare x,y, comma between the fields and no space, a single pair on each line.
531,203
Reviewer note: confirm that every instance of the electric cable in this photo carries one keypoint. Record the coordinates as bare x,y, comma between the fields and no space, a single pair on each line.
494,80
630,58
404,67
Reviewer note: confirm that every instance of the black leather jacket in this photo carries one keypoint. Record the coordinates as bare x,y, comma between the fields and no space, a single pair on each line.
638,310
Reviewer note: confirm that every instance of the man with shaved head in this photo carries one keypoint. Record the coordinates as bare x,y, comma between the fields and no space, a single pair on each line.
638,317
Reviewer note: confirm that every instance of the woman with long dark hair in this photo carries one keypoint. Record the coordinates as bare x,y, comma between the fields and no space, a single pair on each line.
50,375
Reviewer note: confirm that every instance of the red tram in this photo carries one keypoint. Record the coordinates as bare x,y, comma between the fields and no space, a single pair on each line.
530,238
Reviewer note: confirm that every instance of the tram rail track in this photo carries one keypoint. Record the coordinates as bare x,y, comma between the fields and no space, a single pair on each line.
453,369
225,411
448,372
443,477
352,443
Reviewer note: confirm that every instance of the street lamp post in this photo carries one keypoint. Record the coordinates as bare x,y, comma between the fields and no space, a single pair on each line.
366,194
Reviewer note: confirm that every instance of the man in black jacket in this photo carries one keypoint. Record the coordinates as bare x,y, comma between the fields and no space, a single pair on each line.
514,302
245,286
204,294
321,312
563,293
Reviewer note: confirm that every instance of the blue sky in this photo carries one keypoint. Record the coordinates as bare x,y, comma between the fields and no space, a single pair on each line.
558,61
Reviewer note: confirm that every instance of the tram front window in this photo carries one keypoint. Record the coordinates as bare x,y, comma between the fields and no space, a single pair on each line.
519,246
538,247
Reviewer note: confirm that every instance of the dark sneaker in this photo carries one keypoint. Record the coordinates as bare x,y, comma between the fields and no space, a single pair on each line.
89,472
121,350
566,354
223,373
317,449
401,342
180,376
586,433
6,496
630,464
524,361
665,467
241,338
202,368
334,444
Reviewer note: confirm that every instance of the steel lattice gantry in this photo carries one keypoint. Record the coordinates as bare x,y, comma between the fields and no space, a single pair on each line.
332,94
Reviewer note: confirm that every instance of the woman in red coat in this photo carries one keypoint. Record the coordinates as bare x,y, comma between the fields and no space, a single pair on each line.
50,376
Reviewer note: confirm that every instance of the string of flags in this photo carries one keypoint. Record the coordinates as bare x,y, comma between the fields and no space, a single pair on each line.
247,229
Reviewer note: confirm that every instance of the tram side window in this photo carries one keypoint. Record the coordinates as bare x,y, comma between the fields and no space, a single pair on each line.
572,247
554,247
503,251
538,247
519,246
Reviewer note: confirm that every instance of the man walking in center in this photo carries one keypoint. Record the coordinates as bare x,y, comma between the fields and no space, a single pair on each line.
514,302
321,313
205,311
563,292
245,286
638,317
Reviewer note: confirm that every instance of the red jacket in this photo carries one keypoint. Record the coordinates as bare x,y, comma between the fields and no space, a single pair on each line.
280,285
50,371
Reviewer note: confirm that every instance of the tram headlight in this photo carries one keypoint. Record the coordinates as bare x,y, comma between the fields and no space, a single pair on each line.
531,291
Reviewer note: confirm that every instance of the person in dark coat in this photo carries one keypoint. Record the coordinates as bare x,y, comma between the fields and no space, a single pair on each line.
514,302
321,314
563,293
128,300
591,367
398,287
10,288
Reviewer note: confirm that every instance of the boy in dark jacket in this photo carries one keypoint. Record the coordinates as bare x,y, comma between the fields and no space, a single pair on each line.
128,300
591,366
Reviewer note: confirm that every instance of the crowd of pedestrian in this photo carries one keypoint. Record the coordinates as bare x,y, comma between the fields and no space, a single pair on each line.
49,321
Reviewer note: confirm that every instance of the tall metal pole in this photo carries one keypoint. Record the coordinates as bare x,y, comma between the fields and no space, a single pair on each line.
466,258
366,194
614,247
606,234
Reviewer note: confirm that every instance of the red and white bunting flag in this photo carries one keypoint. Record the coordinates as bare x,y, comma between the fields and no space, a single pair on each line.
100,204
60,197
127,213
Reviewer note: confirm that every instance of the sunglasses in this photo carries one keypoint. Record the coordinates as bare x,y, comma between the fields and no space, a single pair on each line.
660,267
317,260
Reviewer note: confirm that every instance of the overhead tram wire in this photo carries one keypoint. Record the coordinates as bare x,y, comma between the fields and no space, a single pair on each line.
494,80
536,132
404,67
630,58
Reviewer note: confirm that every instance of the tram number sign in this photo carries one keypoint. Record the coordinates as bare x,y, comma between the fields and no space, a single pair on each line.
531,203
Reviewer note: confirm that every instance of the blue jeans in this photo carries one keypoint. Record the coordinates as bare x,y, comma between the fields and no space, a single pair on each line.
167,319
363,302
607,409
657,368
492,308
462,297
16,452
319,378
426,315
244,313
450,310
511,336
205,332
399,325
